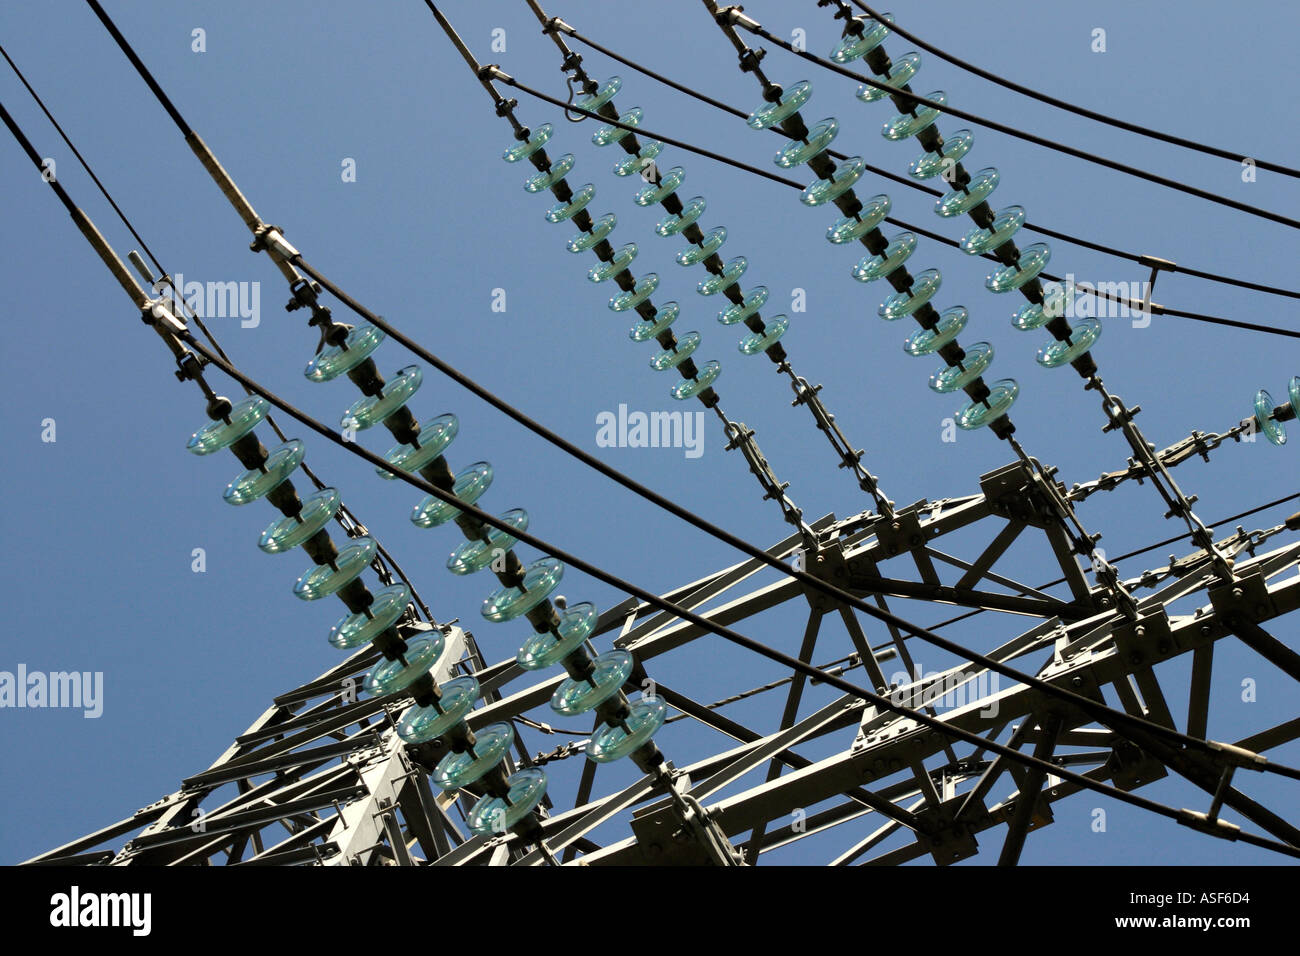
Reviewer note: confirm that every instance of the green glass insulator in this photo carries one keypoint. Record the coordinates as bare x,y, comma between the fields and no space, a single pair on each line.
732,271
436,435
285,534
645,287
353,630
673,224
928,341
473,556
323,580
421,655
671,358
952,377
906,125
244,416
546,649
851,229
606,270
852,47
871,268
421,724
1058,300
755,299
792,100
901,304
1273,429
797,152
608,135
758,342
607,91
900,74
695,254
507,603
653,193
545,180
929,165
563,211
258,482
335,360
822,191
541,136
690,387
1002,395
491,744
370,410
666,316
958,202
610,671
495,815
1083,336
628,165
468,487
1033,259
636,730
601,228
1005,225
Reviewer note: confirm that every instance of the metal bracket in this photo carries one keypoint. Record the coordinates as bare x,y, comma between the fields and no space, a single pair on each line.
947,839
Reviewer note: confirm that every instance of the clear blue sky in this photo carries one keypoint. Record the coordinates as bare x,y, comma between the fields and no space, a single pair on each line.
99,526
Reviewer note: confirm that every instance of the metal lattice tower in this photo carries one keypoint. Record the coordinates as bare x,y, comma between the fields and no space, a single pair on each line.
325,776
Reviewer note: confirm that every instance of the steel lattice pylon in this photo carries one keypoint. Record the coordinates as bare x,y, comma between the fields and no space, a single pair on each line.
322,776
303,796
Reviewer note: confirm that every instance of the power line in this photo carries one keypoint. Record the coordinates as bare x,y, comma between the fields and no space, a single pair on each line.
911,183
1185,817
1087,705
727,537
659,500
914,100
1175,539
1074,108
1155,307
345,515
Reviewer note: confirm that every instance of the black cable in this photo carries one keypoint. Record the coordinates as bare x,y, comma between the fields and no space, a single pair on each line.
1087,705
698,150
1156,308
1176,539
1072,108
1185,817
140,68
916,101
913,184
81,159
344,512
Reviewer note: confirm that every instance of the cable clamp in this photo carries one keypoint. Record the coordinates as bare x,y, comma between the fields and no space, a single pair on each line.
555,23
158,312
271,238
734,16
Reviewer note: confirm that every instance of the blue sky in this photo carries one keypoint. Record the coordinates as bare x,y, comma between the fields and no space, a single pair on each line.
100,524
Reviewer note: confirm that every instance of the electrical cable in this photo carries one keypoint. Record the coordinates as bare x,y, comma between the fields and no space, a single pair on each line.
1085,704
913,184
797,665
1155,307
1073,108
1037,140
1184,817
721,534
344,514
